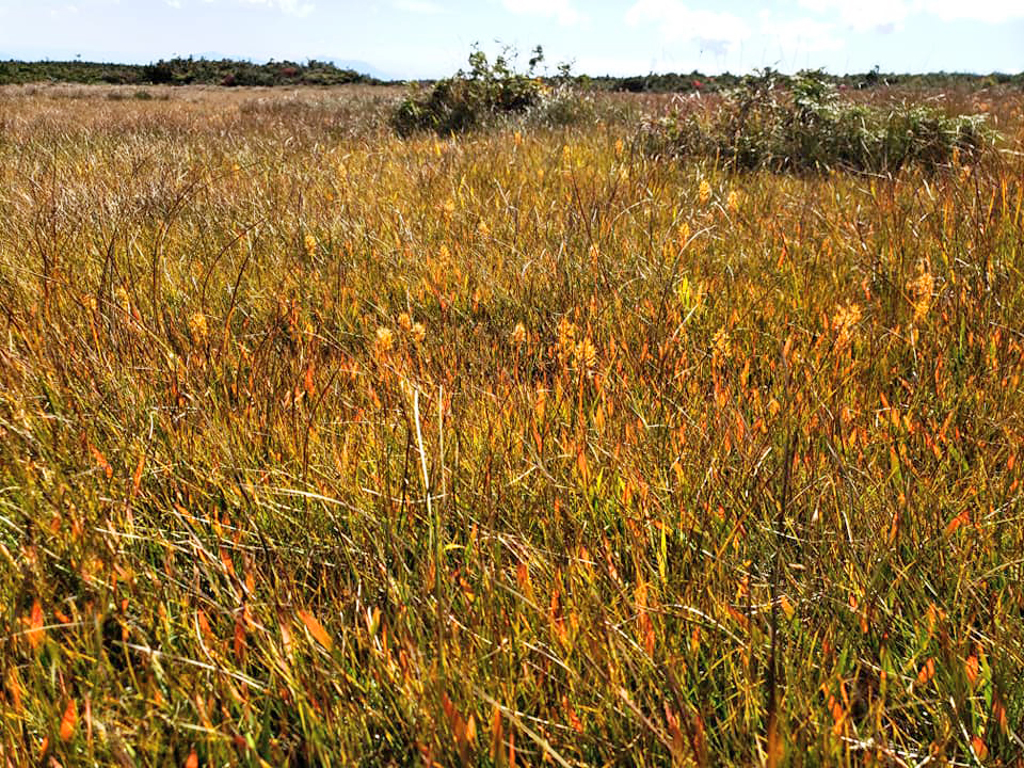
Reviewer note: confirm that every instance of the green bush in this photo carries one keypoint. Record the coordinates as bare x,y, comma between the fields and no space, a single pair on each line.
802,123
470,99
565,100
491,93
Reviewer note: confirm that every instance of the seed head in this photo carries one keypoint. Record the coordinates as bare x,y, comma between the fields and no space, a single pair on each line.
519,334
384,340
844,322
920,291
123,299
684,234
720,343
704,192
585,354
197,327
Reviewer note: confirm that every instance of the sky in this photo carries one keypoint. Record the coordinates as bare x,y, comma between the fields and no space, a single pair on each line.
405,39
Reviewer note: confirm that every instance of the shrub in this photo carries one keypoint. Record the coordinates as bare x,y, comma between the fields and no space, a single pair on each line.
561,105
470,99
801,123
565,100
159,73
489,93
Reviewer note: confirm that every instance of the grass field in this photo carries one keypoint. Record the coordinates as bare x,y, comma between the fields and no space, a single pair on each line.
321,447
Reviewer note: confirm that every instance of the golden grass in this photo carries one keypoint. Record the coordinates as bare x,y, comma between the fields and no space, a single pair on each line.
322,447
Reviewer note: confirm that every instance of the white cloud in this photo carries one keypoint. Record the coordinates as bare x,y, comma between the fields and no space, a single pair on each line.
562,11
718,32
863,16
991,11
887,15
800,35
425,7
64,11
291,7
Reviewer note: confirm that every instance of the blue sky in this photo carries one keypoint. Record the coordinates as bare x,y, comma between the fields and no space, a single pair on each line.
427,38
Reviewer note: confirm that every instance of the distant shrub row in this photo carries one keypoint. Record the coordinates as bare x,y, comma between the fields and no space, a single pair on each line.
673,82
180,71
802,123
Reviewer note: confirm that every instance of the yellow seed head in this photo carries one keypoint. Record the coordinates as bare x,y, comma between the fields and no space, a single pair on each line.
704,192
684,234
720,343
519,334
123,299
384,340
585,354
566,335
197,327
419,332
920,291
844,323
